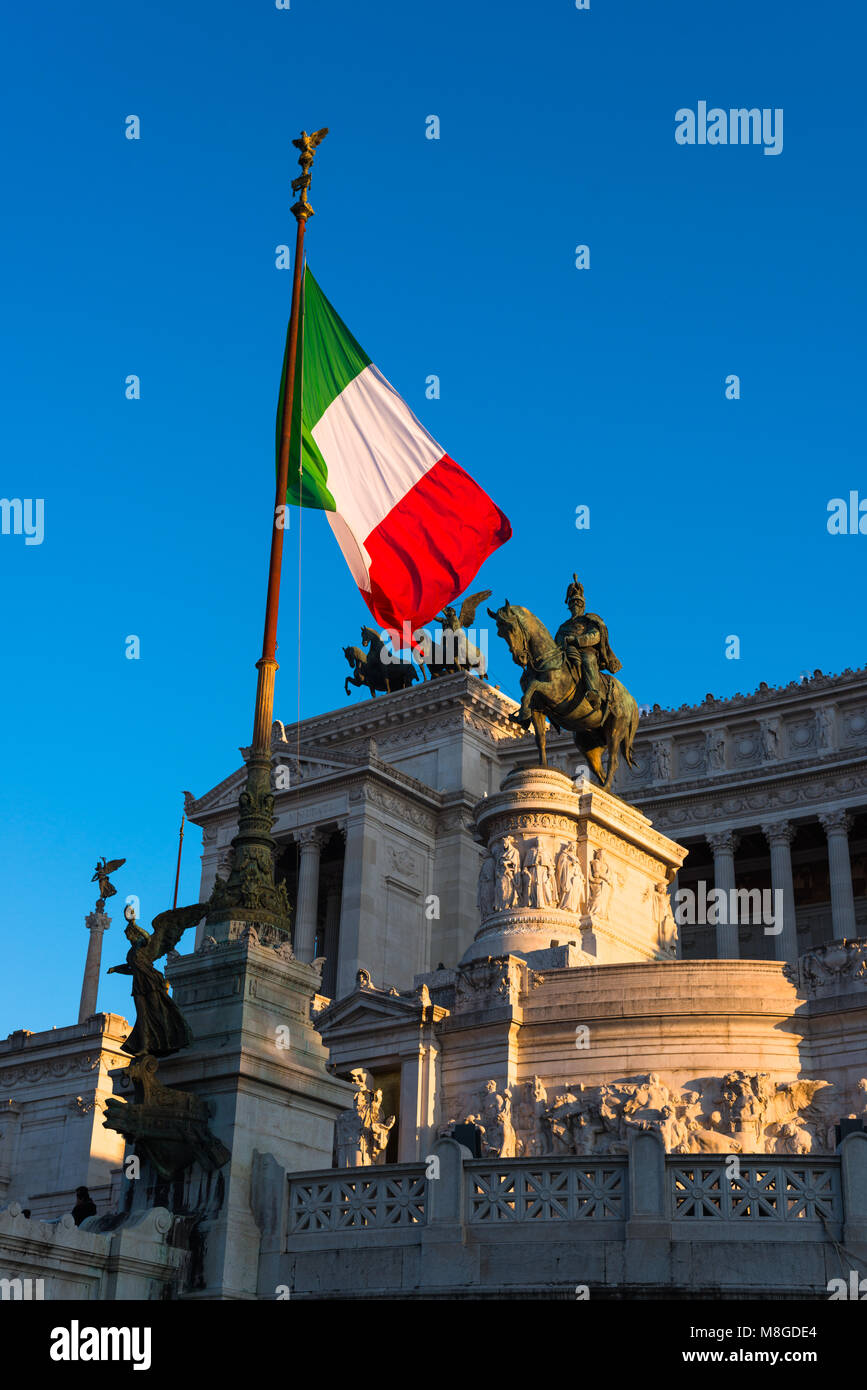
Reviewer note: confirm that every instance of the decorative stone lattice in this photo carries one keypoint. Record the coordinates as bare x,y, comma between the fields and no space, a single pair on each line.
772,1190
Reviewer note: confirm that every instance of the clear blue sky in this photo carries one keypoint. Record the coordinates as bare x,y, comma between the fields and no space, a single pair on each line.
455,257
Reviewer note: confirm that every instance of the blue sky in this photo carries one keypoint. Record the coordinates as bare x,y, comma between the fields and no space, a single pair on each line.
559,387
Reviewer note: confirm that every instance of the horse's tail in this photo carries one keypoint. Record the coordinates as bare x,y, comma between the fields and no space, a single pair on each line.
629,737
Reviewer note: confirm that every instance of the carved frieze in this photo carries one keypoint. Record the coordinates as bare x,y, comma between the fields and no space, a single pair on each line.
740,1112
835,968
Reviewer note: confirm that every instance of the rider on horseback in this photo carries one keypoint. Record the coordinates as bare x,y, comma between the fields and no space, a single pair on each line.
583,638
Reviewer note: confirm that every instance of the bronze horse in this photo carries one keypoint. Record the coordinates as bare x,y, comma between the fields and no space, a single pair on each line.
550,690
371,671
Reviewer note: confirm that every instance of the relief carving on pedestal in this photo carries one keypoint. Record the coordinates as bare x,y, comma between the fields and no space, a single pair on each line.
487,890
491,1110
570,881
740,1112
494,980
544,881
663,918
508,874
537,877
601,885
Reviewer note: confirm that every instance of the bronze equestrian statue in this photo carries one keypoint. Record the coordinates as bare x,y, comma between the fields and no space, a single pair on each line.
569,680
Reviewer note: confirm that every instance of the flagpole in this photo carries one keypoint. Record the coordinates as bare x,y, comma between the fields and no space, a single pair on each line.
267,664
250,892
178,869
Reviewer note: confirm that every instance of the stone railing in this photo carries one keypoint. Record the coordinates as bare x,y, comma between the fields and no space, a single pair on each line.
354,1198
644,1223
518,1190
645,1185
765,1188
546,1189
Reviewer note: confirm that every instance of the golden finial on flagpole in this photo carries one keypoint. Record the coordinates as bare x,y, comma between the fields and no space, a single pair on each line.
307,145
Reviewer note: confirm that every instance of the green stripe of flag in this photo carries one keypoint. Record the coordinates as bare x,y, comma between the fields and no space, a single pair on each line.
328,359
332,357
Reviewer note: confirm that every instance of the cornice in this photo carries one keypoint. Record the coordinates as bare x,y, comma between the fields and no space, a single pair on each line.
459,694
712,707
789,788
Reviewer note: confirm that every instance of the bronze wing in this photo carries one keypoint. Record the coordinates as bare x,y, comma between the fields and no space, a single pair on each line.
169,927
470,604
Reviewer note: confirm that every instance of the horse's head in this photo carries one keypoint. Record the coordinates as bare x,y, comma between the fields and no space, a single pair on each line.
510,627
347,652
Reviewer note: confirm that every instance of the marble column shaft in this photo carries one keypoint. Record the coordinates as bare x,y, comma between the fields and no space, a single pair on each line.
310,843
724,845
836,825
780,835
332,938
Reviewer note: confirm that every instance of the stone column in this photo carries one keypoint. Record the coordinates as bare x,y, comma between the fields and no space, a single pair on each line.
837,825
351,934
724,843
96,923
332,938
780,835
310,842
418,1093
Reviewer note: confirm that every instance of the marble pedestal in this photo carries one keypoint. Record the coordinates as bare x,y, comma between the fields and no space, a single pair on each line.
570,865
261,1066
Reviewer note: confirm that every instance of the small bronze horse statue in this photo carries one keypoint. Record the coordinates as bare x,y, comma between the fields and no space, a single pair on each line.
370,670
550,689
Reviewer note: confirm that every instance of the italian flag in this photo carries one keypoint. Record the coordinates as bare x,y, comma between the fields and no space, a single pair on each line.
414,528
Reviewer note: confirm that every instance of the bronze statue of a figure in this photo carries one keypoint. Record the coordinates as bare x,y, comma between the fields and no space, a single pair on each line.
160,1027
569,680
456,652
100,875
584,639
370,670
168,1127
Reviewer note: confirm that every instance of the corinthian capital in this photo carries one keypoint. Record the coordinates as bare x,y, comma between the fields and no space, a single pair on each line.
309,837
780,832
836,822
723,841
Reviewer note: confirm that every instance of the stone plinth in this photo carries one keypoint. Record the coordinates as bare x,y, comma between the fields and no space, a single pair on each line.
570,864
258,1062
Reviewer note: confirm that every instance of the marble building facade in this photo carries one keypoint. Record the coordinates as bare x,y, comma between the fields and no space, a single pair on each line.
717,1038
375,817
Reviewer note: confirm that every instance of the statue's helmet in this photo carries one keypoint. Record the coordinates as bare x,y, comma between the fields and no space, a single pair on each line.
575,593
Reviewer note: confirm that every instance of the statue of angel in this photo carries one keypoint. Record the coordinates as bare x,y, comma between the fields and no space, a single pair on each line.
160,1027
100,876
456,652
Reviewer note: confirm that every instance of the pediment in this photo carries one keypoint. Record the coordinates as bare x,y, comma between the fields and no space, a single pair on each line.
365,1008
303,768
